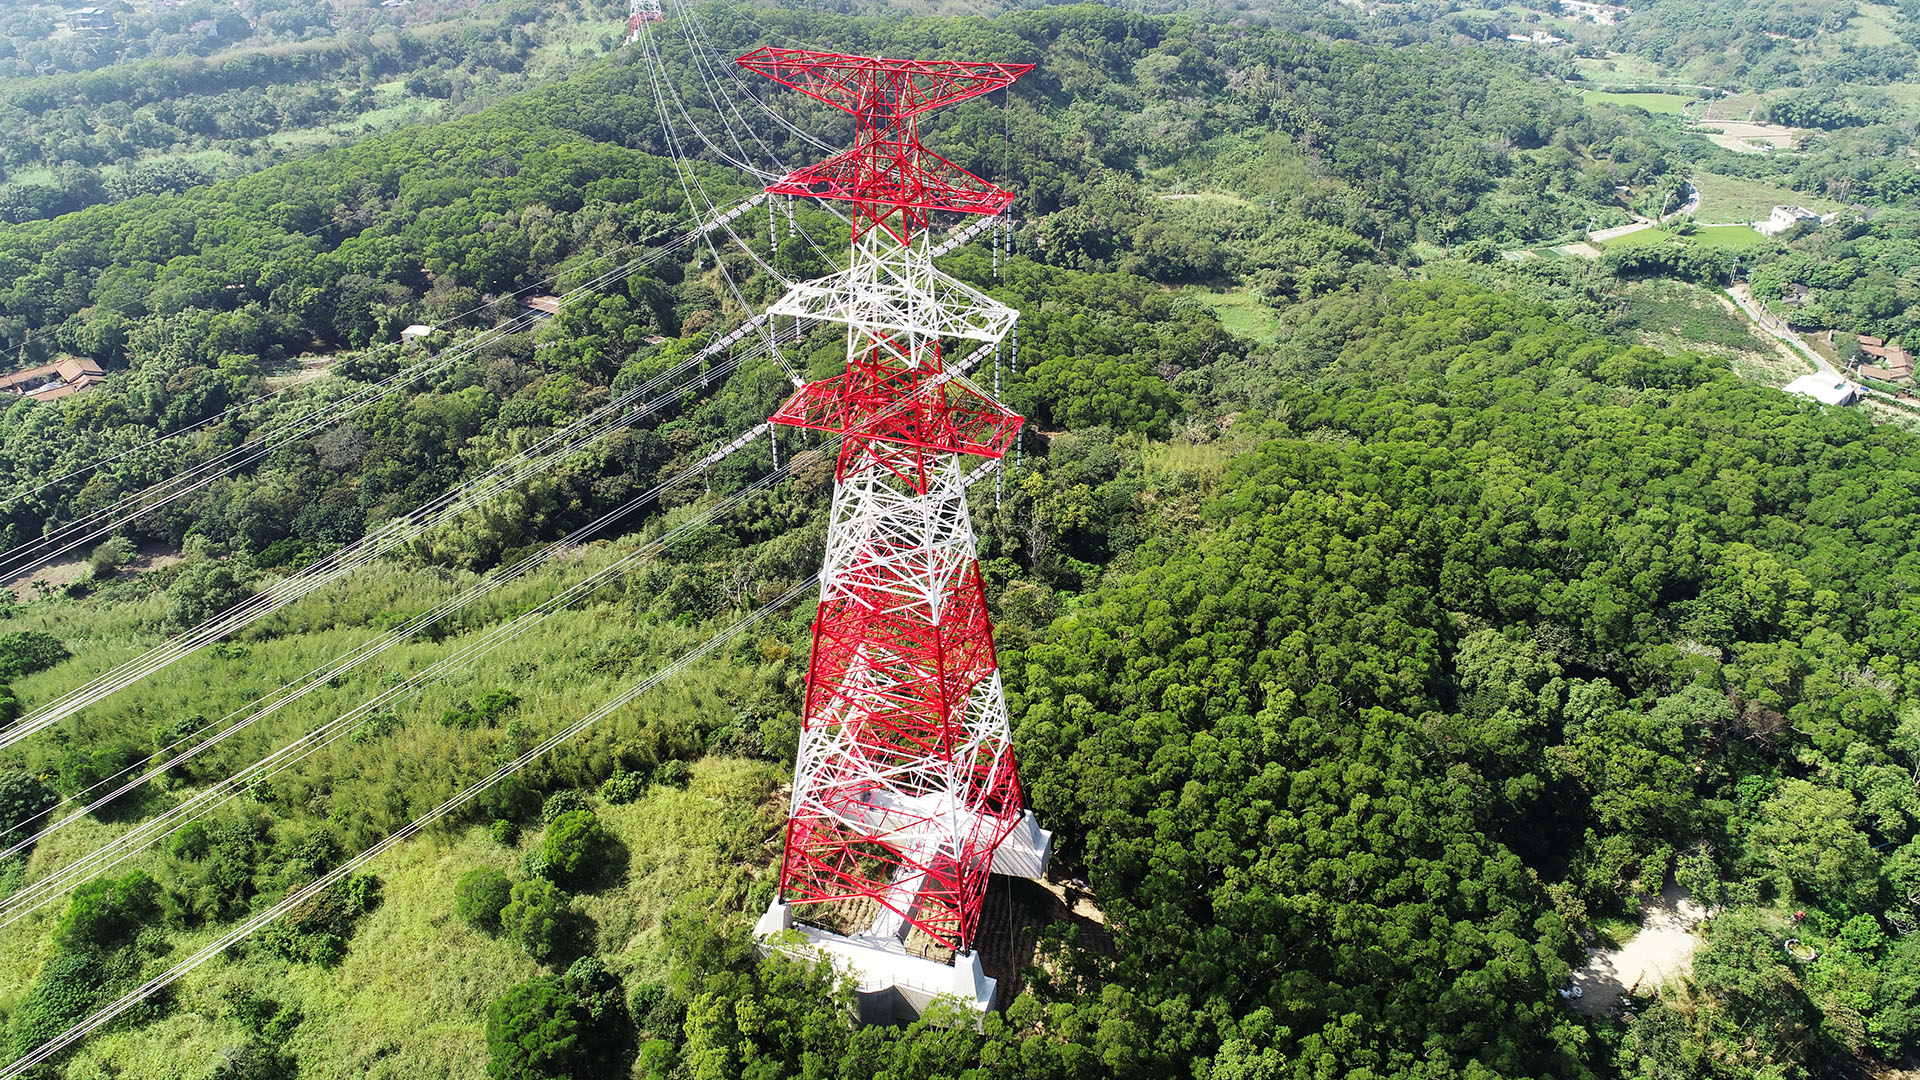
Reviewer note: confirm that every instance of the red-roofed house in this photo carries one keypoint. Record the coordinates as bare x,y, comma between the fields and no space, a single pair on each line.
1892,357
51,382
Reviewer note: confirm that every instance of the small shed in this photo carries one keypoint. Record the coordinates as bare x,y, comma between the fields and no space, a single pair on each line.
415,332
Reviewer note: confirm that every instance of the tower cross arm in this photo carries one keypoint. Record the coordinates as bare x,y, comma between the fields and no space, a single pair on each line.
856,83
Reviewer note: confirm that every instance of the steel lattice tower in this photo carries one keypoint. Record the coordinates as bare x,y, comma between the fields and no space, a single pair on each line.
905,791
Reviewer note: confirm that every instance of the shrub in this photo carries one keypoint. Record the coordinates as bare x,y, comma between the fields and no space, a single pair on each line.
190,843
574,845
509,800
9,705
84,765
538,917
562,802
203,590
505,832
379,725
535,863
169,734
23,799
609,1042
105,913
219,883
623,787
24,652
317,931
673,773
492,705
69,987
480,895
112,554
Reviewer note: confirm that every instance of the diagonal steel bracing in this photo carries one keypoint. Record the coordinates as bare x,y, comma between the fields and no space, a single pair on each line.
905,782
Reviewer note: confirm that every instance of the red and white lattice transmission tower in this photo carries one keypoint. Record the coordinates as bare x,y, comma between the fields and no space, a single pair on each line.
905,794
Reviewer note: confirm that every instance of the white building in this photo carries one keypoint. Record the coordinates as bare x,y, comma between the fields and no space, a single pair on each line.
1825,389
1783,218
1603,14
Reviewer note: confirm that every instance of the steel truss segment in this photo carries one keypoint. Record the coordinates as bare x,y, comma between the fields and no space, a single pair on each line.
950,418
884,295
885,176
905,782
857,83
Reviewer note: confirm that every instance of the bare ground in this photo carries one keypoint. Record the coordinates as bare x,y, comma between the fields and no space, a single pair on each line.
58,575
1660,954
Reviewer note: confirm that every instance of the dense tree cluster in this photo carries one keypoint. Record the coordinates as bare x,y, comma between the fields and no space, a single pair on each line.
1859,276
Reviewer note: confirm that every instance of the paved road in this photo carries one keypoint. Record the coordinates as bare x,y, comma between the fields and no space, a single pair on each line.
1605,235
1690,207
1772,324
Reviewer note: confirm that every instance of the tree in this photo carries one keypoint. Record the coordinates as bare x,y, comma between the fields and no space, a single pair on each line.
112,553
24,652
535,1031
480,895
538,916
574,845
105,913
203,590
23,798
1809,836
575,1025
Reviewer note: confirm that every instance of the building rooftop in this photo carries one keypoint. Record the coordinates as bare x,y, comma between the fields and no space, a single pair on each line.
50,382
1826,389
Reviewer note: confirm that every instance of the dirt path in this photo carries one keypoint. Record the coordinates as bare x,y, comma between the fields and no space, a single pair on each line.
1661,953
1786,352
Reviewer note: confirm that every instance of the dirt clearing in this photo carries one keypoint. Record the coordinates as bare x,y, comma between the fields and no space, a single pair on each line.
1660,954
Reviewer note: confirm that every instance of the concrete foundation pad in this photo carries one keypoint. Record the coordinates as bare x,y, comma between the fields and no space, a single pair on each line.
891,984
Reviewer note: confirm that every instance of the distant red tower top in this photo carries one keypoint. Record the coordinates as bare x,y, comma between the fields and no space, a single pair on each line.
892,180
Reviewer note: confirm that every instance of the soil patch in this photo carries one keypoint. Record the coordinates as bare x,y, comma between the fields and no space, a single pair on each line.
1660,954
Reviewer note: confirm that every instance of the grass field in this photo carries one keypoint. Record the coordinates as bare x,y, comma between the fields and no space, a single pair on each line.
1662,104
1731,107
1874,25
1619,71
1677,315
1735,198
1642,238
1905,94
38,174
1243,313
1731,237
410,997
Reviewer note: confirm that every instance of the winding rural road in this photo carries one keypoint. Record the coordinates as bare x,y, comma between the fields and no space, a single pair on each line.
1774,326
